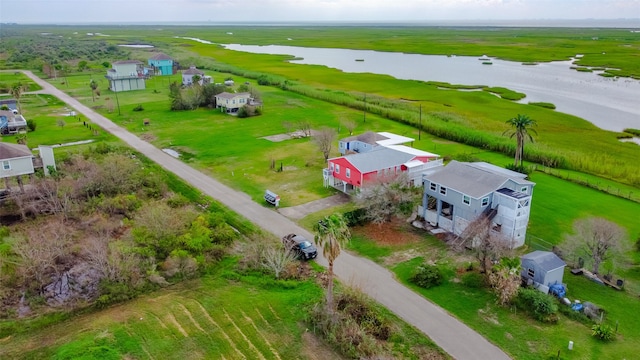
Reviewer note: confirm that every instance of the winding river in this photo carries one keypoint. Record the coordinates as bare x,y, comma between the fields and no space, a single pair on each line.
609,103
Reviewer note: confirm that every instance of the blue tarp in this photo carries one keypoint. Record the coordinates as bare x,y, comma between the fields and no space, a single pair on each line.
558,290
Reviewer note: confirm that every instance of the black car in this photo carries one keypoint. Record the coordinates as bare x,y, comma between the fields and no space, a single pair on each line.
299,245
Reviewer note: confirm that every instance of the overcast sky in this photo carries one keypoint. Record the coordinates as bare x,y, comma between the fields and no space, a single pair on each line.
128,11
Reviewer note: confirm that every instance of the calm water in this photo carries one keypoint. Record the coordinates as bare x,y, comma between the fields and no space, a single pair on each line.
611,104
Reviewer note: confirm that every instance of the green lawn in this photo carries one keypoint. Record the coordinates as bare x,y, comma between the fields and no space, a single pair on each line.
525,338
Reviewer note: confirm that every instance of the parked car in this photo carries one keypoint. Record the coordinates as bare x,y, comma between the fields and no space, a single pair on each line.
299,245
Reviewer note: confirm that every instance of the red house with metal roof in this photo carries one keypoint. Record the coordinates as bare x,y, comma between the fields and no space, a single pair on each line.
350,173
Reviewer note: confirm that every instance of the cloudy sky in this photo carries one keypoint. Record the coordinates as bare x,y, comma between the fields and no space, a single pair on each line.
128,11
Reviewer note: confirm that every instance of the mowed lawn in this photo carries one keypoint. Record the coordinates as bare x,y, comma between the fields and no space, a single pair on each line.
208,318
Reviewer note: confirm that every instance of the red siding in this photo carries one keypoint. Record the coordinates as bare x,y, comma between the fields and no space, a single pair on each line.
355,175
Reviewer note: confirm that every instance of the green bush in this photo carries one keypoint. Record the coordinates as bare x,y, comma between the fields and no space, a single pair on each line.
473,280
138,108
31,124
603,332
355,217
427,276
539,305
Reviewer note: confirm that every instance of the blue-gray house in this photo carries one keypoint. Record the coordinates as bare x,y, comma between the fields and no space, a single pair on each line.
162,63
461,192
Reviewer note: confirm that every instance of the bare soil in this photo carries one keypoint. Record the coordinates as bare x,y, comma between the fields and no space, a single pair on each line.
396,232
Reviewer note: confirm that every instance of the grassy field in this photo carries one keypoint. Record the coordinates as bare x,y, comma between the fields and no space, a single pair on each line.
225,315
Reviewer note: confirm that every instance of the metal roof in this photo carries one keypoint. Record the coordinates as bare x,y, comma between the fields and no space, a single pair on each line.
471,179
384,158
545,260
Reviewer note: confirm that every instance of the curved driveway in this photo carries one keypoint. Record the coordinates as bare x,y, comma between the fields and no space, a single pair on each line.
450,334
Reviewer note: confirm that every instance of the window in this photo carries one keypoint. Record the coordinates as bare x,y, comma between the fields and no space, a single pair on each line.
466,200
530,273
6,165
337,169
443,190
485,201
523,189
348,172
331,167
433,186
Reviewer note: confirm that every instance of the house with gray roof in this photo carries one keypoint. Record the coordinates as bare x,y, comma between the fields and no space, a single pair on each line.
460,193
17,160
187,76
352,172
542,269
162,64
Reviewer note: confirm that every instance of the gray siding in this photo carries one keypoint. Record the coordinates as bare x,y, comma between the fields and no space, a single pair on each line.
18,166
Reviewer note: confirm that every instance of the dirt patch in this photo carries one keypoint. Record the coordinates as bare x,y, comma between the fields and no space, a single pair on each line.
401,256
395,232
315,349
148,137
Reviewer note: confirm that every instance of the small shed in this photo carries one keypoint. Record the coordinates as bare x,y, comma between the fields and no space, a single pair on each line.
543,268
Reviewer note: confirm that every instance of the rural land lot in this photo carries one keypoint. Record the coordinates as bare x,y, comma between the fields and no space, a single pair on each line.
580,171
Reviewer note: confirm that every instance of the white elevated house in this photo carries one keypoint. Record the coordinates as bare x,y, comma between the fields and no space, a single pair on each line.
127,75
232,102
460,193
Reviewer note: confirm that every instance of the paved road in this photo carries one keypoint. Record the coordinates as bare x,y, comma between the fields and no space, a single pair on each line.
450,334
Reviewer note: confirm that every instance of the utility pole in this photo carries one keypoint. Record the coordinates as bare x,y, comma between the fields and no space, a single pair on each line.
420,126
365,109
115,89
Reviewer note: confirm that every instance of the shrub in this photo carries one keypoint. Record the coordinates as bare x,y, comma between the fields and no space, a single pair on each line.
473,280
243,112
358,217
138,108
427,276
603,332
31,124
540,305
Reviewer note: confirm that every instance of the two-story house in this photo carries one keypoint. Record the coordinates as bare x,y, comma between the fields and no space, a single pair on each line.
350,173
126,75
162,64
459,193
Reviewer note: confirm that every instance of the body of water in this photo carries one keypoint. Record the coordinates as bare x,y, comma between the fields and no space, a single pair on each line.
609,103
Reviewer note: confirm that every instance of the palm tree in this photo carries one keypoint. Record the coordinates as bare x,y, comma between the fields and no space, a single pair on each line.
521,126
332,233
94,86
